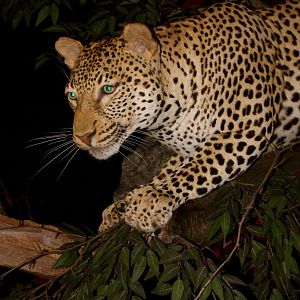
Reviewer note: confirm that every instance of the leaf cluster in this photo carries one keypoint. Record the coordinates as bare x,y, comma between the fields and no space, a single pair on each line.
124,264
86,19
268,255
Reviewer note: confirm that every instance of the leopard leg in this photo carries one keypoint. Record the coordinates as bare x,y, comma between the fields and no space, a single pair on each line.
224,156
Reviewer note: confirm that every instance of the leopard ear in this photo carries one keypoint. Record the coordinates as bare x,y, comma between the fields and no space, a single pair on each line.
69,49
138,38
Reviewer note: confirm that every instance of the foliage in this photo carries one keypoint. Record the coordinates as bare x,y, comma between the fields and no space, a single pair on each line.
124,264
86,19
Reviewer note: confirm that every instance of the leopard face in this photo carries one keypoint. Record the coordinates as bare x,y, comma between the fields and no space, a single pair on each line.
114,91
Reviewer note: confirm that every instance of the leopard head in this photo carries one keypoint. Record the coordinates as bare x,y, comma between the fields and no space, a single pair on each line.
114,88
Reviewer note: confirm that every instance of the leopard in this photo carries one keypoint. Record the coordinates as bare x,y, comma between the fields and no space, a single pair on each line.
220,88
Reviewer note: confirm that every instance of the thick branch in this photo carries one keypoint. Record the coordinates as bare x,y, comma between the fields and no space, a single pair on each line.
31,246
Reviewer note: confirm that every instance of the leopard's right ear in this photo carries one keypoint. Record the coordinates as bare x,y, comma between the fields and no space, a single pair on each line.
69,49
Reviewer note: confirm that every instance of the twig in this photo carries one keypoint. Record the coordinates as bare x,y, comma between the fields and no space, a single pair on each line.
30,260
245,215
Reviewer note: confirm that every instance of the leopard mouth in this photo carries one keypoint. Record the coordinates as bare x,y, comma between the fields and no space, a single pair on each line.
110,147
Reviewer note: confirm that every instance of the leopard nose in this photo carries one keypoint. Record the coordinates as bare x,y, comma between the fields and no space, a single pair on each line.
87,138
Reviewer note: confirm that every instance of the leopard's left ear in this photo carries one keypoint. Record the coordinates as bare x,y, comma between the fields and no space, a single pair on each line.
138,38
69,49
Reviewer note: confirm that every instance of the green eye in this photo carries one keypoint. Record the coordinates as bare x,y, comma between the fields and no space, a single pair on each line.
72,96
108,89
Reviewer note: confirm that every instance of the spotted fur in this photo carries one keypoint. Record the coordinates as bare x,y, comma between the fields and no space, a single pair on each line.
218,88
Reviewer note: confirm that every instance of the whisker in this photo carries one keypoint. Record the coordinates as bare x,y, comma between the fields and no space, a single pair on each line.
119,151
47,153
68,153
54,158
48,141
75,150
137,138
134,152
132,143
52,136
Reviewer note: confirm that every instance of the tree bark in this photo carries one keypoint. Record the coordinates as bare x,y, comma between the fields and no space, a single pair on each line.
22,240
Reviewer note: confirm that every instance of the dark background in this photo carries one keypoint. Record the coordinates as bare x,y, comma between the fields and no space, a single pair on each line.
33,104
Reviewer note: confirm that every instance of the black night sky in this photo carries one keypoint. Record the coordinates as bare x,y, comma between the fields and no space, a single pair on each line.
33,104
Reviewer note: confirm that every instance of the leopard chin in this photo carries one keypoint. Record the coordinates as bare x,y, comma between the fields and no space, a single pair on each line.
102,153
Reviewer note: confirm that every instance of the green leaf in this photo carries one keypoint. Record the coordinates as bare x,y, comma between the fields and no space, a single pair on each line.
98,254
238,295
162,289
122,10
217,288
141,18
82,2
190,271
139,268
206,292
261,257
56,28
201,274
152,261
276,233
263,291
256,230
42,15
214,229
123,274
67,259
138,289
277,201
112,248
54,13
136,237
158,246
233,280
235,209
225,223
137,252
177,290
106,273
228,294
98,26
67,4
112,21
114,287
125,255
27,14
17,19
256,247
151,20
169,273
262,272
292,264
171,255
276,295
243,252
193,253
295,239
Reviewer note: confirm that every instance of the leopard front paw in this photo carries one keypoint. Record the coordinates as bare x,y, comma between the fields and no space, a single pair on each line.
112,215
147,210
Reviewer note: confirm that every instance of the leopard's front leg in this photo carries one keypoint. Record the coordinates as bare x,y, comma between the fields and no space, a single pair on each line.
221,158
